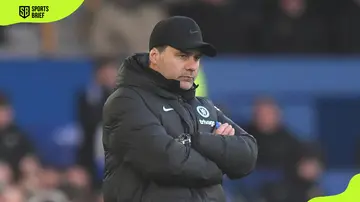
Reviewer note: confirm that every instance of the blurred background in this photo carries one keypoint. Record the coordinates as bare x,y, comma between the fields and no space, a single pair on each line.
288,72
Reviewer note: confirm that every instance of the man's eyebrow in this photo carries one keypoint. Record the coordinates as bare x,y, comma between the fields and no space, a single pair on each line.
198,54
183,52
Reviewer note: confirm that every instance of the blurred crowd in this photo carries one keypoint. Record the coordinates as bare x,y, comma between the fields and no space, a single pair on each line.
24,177
109,29
116,27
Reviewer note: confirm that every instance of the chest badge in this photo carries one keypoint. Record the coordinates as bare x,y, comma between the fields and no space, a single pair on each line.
203,111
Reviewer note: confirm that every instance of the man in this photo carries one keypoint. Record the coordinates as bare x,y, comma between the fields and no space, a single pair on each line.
15,147
89,109
278,146
159,139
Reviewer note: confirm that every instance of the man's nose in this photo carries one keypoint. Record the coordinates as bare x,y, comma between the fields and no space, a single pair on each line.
192,64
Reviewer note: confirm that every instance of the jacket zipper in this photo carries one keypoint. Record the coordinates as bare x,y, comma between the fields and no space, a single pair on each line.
188,108
194,193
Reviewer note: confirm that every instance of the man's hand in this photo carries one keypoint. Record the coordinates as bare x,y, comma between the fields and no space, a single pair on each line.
225,129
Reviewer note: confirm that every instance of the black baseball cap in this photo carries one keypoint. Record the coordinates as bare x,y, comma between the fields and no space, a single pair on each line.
181,33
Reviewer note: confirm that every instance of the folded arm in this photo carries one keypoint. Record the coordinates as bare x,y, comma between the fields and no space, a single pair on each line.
236,155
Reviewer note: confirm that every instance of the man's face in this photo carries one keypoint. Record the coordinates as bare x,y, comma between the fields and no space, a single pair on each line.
293,8
267,116
309,169
177,65
107,75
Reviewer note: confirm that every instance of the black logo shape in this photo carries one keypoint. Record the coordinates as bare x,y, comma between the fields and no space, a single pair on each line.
24,11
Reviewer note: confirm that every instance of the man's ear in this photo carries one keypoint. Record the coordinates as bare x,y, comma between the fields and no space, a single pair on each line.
154,55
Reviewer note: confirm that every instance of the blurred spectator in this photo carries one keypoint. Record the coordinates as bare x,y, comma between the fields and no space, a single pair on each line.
29,166
50,178
30,170
89,106
124,26
293,26
14,145
86,19
301,184
6,175
12,194
47,188
77,185
49,38
278,148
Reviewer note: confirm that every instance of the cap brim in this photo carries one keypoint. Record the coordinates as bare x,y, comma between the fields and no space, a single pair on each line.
205,48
